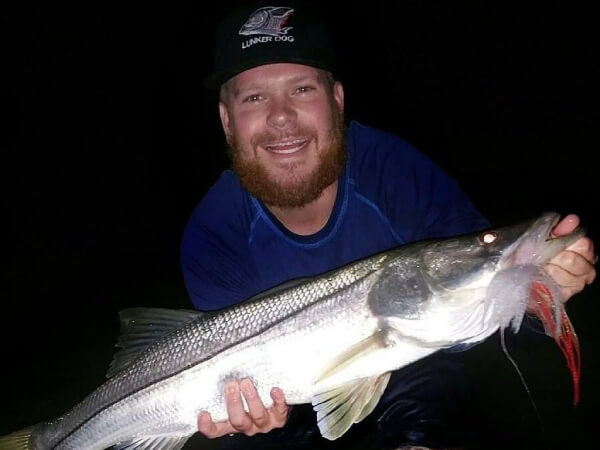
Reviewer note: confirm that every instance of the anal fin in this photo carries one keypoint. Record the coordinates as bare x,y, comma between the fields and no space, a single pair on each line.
154,443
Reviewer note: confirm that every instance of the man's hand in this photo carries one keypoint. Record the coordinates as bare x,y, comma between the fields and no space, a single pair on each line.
572,268
258,420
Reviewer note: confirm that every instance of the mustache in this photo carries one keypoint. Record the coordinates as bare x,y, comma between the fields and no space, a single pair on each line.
269,136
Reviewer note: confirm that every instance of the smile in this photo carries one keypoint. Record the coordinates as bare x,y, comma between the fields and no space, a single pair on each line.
287,147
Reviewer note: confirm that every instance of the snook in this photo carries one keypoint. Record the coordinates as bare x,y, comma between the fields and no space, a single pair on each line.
331,340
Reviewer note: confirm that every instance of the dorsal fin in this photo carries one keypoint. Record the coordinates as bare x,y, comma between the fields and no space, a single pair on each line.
17,440
141,327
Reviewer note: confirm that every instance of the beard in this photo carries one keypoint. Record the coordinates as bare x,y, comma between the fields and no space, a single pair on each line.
293,189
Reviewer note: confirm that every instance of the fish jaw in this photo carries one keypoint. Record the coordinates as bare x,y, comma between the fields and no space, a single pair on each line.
509,292
528,248
463,289
536,245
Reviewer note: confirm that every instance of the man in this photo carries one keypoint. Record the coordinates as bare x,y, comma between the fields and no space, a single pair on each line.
307,195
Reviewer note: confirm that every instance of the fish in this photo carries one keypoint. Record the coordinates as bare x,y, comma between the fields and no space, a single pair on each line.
267,21
331,340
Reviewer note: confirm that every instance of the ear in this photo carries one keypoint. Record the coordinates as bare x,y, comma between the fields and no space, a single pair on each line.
338,95
224,119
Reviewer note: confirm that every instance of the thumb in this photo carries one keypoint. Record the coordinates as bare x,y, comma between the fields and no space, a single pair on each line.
566,225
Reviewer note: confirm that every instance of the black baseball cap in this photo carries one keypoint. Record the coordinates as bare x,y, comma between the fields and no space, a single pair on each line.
261,33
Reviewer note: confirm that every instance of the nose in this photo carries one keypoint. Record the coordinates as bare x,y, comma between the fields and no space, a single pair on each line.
281,113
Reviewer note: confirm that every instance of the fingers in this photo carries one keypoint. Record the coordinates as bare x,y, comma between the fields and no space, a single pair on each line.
571,271
238,417
573,262
585,248
577,264
572,268
258,419
211,429
280,409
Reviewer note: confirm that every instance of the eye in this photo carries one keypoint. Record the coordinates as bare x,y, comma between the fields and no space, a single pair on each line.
253,98
489,237
304,89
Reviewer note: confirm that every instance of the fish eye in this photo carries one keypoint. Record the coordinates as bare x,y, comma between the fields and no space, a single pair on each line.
489,237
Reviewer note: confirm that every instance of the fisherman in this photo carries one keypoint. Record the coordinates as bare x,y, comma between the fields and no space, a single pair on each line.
309,193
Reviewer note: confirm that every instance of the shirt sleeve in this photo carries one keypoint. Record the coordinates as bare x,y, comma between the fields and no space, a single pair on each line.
217,267
420,200
443,208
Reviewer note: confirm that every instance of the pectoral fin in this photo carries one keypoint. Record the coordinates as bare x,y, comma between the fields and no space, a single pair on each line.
339,408
360,350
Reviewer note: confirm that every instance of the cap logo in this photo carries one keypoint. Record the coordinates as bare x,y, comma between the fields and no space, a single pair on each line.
269,22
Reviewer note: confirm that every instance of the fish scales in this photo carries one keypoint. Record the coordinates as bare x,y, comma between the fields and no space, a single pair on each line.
201,340
341,320
331,340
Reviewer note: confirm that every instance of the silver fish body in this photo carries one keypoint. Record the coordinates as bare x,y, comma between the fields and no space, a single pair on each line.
331,340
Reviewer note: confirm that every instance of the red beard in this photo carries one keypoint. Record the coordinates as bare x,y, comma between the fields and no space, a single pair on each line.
293,190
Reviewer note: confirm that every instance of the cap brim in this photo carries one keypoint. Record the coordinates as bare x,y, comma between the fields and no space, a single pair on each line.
215,80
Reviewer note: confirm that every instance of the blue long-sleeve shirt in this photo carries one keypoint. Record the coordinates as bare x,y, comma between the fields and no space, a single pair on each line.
389,194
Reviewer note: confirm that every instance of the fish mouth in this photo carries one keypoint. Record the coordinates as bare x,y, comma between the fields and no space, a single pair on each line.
287,146
533,245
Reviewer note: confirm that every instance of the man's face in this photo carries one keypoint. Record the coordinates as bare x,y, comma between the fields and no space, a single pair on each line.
284,125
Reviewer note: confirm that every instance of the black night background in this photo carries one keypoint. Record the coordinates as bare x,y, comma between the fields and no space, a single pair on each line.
109,140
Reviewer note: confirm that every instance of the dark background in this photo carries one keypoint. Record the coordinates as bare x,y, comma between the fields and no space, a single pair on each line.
109,140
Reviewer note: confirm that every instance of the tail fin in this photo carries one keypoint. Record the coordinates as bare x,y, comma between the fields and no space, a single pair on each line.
19,440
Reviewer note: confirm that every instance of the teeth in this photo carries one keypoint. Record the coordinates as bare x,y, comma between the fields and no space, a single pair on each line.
283,144
287,147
